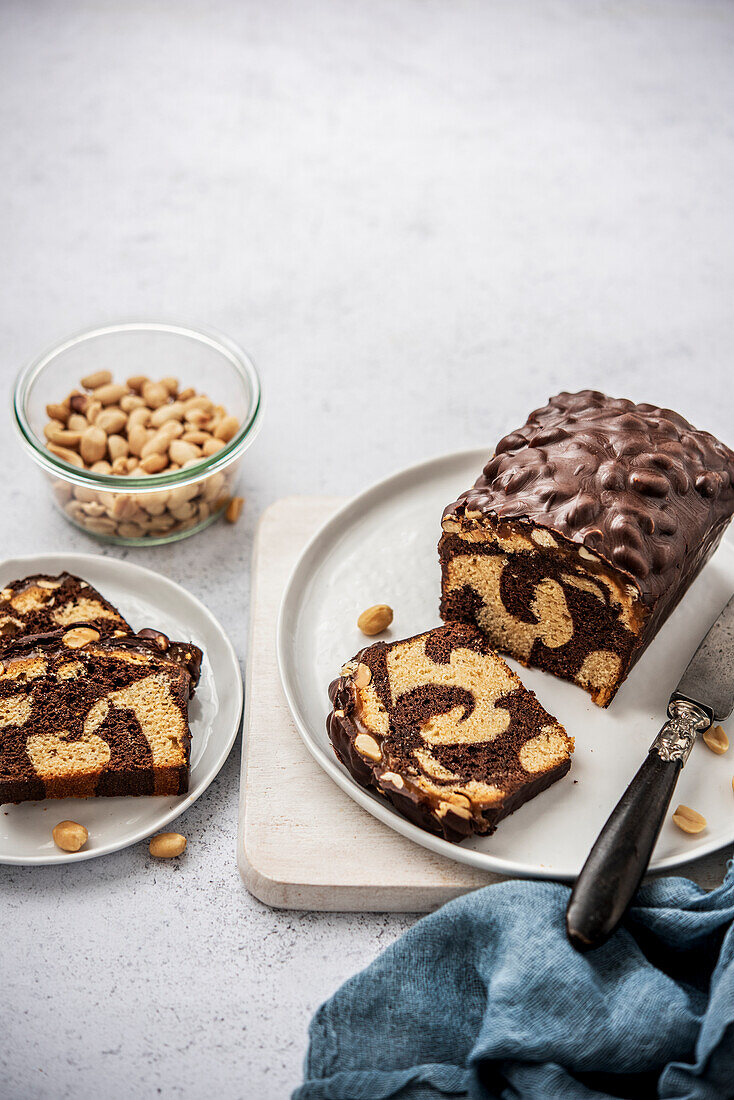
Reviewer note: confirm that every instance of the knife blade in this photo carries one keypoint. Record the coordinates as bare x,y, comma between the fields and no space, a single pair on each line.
618,860
708,681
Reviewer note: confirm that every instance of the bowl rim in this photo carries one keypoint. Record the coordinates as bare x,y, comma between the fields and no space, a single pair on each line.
127,483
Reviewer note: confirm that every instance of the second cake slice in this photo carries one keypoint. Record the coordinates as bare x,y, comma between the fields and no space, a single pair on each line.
444,729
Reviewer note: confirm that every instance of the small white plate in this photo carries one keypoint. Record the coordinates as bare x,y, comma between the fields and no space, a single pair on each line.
381,548
144,598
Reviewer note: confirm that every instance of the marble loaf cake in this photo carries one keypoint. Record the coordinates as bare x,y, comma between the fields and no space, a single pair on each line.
442,728
582,534
85,715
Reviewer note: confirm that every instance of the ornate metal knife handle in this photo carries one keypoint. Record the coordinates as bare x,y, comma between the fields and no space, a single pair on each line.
675,740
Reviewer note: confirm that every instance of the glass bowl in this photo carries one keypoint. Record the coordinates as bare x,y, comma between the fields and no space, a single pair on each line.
136,509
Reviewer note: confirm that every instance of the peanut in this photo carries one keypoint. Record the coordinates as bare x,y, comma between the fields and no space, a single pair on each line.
52,428
211,446
174,411
109,394
137,382
62,437
362,676
94,381
93,445
366,745
139,415
154,394
153,463
70,836
375,619
58,412
111,420
690,821
227,429
716,740
234,509
80,636
64,453
167,845
182,452
137,438
131,401
118,447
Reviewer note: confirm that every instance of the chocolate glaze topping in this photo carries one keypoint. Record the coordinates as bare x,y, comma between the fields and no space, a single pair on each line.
67,593
636,484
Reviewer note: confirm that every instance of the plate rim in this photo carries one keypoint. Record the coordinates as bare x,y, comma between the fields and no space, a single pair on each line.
383,811
185,801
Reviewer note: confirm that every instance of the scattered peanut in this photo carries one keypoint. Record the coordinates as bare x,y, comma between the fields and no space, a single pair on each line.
690,821
234,509
167,845
70,836
375,619
716,740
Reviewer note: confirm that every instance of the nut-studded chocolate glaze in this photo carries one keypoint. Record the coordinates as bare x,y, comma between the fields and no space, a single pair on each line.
488,773
55,687
636,484
41,603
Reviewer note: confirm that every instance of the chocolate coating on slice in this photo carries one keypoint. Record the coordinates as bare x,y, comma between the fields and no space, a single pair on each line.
637,484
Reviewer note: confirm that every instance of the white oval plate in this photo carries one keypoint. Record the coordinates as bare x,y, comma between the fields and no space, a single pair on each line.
381,548
145,599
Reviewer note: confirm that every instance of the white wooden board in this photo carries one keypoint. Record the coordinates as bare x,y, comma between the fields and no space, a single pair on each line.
302,842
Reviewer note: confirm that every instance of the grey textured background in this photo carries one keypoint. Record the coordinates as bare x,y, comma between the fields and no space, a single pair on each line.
421,218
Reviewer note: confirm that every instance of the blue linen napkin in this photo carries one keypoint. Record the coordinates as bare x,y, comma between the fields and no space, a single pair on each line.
486,998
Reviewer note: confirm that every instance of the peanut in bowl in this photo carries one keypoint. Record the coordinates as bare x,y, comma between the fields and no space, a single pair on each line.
140,428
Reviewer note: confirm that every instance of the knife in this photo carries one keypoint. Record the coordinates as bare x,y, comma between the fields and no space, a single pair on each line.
618,861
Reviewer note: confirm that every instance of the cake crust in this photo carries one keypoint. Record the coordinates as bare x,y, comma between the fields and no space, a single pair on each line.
442,728
583,532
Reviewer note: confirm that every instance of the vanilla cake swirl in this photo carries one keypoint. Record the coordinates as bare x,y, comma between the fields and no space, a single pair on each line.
441,727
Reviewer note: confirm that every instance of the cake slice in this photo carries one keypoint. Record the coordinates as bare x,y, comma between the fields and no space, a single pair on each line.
583,532
41,603
84,715
441,727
